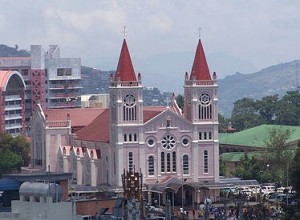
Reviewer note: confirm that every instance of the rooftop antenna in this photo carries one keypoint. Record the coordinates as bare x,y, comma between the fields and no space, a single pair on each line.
124,32
297,77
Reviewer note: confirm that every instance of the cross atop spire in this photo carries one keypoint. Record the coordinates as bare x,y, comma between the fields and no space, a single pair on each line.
199,30
124,32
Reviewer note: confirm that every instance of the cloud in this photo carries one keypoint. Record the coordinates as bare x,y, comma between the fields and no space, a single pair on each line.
258,32
159,23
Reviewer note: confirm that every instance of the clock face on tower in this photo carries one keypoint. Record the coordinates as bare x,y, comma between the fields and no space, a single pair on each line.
129,100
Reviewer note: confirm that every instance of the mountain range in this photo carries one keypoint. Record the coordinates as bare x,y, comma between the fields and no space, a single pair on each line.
276,79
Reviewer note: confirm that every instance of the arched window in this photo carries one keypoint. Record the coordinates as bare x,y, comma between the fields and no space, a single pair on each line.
162,162
130,138
125,137
151,165
168,162
129,109
205,107
209,135
135,137
205,165
74,169
174,161
115,163
130,161
168,122
205,135
200,135
185,164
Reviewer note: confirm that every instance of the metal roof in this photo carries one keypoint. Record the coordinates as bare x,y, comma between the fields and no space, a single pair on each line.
9,184
175,183
255,137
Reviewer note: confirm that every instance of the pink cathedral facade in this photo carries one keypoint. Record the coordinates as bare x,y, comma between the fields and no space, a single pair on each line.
169,146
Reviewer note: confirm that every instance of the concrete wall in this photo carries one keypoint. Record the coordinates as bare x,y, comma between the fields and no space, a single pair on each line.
22,210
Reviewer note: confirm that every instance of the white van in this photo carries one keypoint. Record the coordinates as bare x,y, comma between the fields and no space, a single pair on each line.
268,189
243,190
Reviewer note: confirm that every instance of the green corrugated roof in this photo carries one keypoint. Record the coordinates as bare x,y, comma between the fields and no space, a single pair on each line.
255,137
236,156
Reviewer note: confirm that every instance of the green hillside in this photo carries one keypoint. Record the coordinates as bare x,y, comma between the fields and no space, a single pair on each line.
6,51
277,79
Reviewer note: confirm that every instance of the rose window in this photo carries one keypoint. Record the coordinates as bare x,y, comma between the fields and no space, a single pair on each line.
205,99
168,142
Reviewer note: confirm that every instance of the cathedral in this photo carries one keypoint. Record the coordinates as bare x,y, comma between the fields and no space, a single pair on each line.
176,150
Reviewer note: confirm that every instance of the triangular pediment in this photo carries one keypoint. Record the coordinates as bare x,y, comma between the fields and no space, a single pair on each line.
168,120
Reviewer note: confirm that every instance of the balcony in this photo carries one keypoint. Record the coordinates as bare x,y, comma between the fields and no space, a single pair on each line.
13,116
13,107
12,97
199,82
64,86
60,124
63,95
13,126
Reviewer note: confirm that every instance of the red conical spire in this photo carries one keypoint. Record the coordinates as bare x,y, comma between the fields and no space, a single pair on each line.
125,71
200,68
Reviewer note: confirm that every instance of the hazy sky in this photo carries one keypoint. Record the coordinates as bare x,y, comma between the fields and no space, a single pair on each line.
237,35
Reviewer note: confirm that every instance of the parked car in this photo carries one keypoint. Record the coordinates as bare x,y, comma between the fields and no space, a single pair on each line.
275,197
268,189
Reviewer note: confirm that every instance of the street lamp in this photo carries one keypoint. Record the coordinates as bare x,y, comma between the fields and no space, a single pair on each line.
261,177
260,189
268,165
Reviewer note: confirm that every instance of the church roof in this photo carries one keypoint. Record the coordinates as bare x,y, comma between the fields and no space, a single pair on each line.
98,129
200,68
151,111
80,117
125,69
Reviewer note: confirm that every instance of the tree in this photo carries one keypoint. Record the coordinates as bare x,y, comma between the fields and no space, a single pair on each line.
245,114
13,148
248,113
223,123
222,167
9,162
292,97
180,101
278,153
247,168
295,172
288,111
286,114
267,108
21,147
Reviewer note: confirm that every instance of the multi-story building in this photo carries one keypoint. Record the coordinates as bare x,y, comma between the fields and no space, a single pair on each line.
50,80
176,151
12,102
